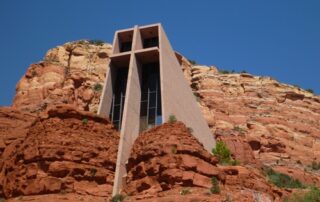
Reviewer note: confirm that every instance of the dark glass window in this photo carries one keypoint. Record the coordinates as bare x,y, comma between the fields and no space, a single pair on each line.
118,97
125,46
150,42
150,111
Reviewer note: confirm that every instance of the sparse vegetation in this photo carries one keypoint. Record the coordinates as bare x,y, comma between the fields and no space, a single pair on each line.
223,154
174,149
84,121
215,189
93,172
238,129
96,42
313,195
310,90
282,180
298,162
97,87
315,165
117,198
243,72
172,118
224,72
197,96
82,42
193,62
190,130
33,73
185,191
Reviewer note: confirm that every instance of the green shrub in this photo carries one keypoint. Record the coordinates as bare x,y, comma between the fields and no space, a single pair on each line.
193,62
93,172
224,72
82,42
97,87
310,90
174,149
172,118
84,121
96,42
215,189
282,180
223,153
185,191
311,196
243,72
117,198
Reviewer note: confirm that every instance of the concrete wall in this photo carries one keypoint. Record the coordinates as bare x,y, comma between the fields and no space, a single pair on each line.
176,95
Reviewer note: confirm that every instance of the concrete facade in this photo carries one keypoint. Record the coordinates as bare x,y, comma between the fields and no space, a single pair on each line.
176,95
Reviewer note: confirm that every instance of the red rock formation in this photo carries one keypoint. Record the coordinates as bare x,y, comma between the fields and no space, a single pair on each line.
72,74
64,151
167,158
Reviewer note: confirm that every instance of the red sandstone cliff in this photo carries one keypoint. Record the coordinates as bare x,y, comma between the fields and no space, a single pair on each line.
54,152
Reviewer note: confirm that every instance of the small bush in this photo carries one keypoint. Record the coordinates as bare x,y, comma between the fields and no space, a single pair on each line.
190,130
243,72
311,196
282,180
193,62
172,118
96,42
84,121
224,72
298,162
117,198
223,153
315,165
310,90
185,191
93,172
97,87
174,149
215,189
82,42
33,73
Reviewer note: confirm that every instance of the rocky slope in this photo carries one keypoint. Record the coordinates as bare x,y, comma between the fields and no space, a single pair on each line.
64,151
280,123
167,161
63,154
70,74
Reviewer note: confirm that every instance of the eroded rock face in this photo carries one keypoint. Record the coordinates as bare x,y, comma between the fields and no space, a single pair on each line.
280,122
72,73
64,151
167,159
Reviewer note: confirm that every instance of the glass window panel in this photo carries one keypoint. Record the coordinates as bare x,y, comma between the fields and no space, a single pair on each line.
144,108
152,116
159,120
152,99
116,113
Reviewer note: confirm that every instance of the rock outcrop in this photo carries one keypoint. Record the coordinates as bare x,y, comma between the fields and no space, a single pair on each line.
64,151
167,160
72,74
280,122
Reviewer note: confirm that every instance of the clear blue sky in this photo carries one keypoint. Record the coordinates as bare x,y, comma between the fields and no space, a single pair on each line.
277,38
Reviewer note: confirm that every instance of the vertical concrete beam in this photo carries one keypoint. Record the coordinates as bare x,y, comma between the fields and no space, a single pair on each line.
131,118
107,92
177,96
